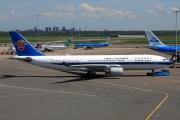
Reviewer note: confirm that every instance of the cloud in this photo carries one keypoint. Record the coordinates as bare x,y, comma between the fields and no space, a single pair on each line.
65,7
99,11
11,15
174,8
58,14
152,12
159,7
85,10
93,15
12,12
1,17
167,11
86,7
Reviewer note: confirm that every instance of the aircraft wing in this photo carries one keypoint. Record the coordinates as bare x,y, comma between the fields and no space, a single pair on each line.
96,67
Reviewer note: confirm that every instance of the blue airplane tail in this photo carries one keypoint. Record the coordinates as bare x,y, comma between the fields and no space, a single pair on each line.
153,40
107,40
23,47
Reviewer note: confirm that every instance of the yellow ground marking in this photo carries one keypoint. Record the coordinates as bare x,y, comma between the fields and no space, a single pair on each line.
140,89
128,87
98,89
62,92
167,95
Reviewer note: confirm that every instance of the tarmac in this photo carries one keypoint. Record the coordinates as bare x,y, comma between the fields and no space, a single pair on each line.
31,92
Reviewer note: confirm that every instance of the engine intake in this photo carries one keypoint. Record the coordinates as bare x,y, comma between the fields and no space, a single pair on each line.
115,71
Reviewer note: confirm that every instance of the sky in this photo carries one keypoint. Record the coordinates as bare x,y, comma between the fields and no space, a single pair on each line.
90,14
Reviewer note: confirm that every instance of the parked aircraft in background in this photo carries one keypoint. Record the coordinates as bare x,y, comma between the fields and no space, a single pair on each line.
157,45
110,64
92,45
12,51
51,48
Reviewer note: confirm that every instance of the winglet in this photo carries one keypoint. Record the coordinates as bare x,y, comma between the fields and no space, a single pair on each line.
23,47
153,40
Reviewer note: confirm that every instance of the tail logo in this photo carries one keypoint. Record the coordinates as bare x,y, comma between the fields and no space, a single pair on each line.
21,44
154,40
68,42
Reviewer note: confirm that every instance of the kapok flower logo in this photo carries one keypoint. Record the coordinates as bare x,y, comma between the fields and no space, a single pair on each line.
21,44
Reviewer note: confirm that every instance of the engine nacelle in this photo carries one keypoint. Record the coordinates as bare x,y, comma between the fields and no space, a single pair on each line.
116,71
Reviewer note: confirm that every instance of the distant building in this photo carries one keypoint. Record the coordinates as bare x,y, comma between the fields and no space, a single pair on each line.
73,29
18,30
48,29
64,28
55,28
35,29
30,30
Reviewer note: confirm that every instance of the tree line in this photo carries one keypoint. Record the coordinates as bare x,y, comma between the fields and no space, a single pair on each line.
92,33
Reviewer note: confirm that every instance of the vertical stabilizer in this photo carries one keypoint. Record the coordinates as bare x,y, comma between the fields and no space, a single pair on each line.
153,40
107,40
23,47
68,42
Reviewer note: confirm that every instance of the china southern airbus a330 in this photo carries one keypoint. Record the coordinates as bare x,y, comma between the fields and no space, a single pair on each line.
157,45
110,64
92,45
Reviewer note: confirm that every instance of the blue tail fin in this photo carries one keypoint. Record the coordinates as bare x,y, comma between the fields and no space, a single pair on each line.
23,47
153,40
107,40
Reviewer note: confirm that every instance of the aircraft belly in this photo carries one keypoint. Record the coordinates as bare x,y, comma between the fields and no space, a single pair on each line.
142,67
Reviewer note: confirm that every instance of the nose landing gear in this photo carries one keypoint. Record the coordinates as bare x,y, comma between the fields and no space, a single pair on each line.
150,73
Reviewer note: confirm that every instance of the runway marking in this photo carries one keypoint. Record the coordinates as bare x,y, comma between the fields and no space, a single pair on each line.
129,87
156,108
49,90
167,95
146,84
98,89
81,88
23,95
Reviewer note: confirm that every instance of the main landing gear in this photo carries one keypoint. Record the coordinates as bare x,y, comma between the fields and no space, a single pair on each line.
91,74
150,73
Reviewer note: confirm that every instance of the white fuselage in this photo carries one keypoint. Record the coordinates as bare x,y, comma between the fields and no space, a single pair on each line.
127,62
56,47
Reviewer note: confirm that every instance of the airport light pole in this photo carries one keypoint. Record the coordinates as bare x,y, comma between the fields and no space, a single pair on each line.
72,30
37,29
176,11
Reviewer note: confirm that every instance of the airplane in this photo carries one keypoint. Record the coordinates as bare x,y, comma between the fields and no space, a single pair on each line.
12,50
92,45
51,48
156,44
114,65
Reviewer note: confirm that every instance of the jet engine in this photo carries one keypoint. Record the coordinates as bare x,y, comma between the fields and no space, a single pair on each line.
115,71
